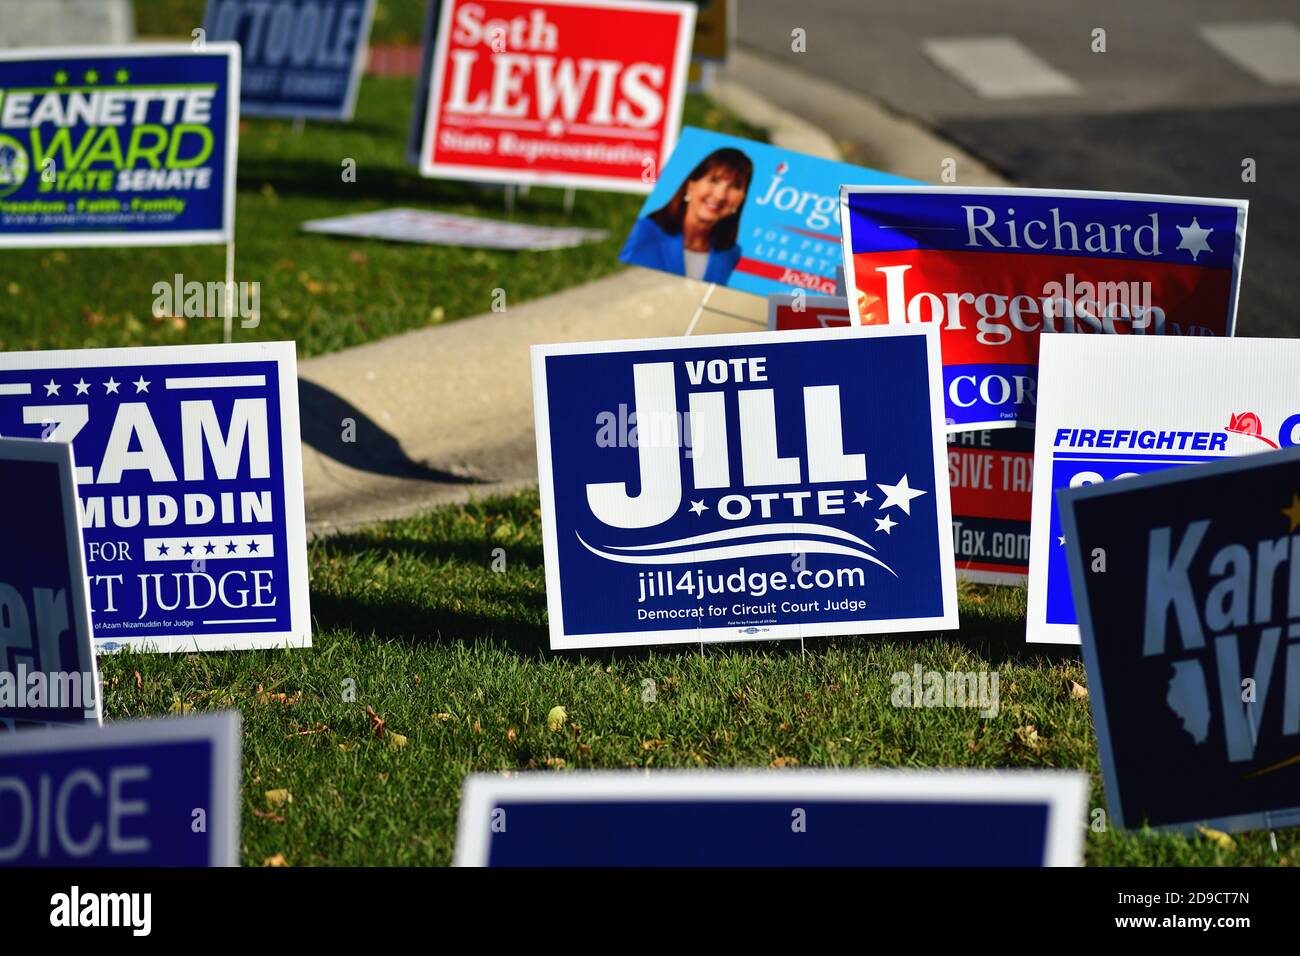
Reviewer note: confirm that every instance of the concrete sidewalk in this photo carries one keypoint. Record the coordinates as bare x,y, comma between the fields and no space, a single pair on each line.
443,414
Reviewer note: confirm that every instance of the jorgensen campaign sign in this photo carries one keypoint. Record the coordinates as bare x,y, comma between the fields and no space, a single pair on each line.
583,93
189,473
743,487
1189,600
301,58
994,268
118,146
745,215
48,673
1151,403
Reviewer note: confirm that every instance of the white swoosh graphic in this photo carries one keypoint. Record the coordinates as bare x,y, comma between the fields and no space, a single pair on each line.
750,531
784,546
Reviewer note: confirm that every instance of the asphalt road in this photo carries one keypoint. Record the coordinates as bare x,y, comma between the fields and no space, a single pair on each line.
1185,91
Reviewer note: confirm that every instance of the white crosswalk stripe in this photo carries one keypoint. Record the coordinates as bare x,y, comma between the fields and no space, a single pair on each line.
998,67
1268,50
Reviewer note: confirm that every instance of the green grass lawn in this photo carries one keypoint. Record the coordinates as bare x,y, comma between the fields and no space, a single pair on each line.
451,657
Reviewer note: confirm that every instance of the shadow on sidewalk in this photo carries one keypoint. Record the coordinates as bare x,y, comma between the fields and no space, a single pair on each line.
328,421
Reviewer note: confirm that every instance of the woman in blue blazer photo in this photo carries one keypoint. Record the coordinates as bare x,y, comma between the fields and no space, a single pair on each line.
694,234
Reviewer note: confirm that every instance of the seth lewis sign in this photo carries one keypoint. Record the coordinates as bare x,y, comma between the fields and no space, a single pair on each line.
744,487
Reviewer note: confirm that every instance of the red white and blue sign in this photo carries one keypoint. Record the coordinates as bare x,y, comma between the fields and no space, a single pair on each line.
1188,596
762,818
161,792
301,58
991,474
118,146
189,473
731,487
48,673
745,215
994,268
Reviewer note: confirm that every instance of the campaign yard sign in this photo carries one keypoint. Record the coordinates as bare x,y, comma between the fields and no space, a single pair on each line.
1188,595
584,93
449,229
189,473
799,310
162,792
743,487
48,673
995,267
301,58
761,818
1148,404
991,474
746,215
118,146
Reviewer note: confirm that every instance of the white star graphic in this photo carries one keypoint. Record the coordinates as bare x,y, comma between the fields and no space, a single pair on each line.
1193,239
82,387
110,387
141,385
52,389
698,507
861,498
885,523
1061,540
900,494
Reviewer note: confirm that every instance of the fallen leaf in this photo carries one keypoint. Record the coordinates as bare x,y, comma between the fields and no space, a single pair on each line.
275,799
584,751
555,763
512,735
780,762
263,815
178,707
322,728
443,717
555,717
1219,838
277,860
357,256
396,740
1078,691
377,723
653,744
345,747
139,684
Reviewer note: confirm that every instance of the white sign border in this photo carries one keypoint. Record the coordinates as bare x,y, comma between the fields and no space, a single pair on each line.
546,487
98,238
1264,819
220,728
1065,792
672,122
284,354
60,455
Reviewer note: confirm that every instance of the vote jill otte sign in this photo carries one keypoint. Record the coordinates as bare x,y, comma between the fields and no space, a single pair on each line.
743,487
584,93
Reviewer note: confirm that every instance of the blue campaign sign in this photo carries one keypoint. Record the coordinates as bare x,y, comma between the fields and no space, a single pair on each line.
744,487
746,215
189,471
300,57
48,673
761,818
161,792
1188,592
114,146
